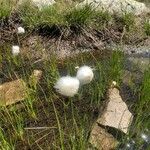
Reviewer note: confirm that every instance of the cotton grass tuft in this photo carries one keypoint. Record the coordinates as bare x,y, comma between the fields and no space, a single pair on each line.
85,74
67,86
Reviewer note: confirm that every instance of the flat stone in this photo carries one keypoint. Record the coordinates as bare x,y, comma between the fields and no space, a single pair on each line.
116,114
117,6
12,92
101,140
15,91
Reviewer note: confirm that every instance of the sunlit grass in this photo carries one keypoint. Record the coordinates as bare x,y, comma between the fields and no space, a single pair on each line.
143,103
5,9
32,17
147,27
78,17
45,93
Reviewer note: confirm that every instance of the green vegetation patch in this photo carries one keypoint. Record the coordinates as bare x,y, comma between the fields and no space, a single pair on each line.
79,16
147,27
32,17
47,119
5,9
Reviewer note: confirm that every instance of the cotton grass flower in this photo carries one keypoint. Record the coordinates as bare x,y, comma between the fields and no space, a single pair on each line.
20,30
85,74
15,50
67,86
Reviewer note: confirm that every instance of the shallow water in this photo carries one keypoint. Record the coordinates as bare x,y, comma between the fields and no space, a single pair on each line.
135,55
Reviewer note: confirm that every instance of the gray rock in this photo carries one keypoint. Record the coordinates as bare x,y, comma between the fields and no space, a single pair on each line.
17,90
101,140
12,92
116,114
43,3
38,3
117,6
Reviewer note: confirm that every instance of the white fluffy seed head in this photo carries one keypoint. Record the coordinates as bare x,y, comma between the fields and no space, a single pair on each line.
15,50
20,30
67,86
85,74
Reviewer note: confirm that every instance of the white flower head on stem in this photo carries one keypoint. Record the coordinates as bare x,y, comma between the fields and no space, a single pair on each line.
67,86
85,74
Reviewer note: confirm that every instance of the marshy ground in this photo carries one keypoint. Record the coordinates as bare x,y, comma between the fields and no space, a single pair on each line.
58,39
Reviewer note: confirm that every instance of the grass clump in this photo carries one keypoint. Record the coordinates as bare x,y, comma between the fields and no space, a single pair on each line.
4,144
5,9
145,100
127,20
141,123
79,17
116,66
147,27
32,17
102,18
55,15
29,15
